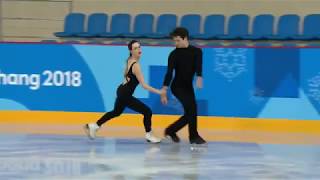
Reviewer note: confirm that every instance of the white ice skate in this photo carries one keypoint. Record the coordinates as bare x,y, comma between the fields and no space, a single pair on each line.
91,130
151,138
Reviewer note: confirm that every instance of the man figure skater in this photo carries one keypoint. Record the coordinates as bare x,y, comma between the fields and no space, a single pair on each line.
186,61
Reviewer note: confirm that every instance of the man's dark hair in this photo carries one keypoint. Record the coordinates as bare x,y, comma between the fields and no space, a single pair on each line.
180,31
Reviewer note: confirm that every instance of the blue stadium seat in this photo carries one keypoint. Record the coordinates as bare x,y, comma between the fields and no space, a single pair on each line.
192,23
288,26
238,26
120,25
73,24
97,24
213,27
143,25
311,28
262,27
165,24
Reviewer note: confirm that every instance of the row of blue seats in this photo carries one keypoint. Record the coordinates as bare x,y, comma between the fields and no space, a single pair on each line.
238,26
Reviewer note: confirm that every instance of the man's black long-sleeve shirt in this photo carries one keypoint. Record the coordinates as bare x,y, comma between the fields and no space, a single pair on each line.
186,62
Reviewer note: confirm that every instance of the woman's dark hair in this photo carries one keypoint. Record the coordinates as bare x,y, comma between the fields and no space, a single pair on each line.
180,31
130,45
130,48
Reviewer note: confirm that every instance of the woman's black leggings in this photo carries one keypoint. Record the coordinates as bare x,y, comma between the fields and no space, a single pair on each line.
133,103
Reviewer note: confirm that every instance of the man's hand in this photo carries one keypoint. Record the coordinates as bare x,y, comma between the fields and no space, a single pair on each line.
163,95
199,82
164,100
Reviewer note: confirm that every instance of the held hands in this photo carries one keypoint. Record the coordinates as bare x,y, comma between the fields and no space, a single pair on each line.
163,95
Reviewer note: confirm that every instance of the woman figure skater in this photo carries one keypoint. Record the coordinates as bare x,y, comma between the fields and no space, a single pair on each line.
132,77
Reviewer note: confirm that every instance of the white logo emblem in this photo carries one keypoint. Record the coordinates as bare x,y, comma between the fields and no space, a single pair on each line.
230,62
